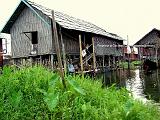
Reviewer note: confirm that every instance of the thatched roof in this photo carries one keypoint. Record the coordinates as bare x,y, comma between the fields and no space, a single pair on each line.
62,19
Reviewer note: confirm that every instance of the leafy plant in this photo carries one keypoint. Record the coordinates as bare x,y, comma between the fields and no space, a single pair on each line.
37,93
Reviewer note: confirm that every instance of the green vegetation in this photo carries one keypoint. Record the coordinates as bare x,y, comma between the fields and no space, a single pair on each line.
133,64
37,93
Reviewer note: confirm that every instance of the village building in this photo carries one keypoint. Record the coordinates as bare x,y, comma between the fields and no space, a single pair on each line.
149,46
32,39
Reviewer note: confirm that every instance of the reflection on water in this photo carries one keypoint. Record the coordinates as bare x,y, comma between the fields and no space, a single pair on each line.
142,86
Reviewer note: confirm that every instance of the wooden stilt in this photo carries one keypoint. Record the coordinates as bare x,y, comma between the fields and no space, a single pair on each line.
103,61
56,42
109,61
156,56
63,51
80,48
52,58
94,56
114,63
40,59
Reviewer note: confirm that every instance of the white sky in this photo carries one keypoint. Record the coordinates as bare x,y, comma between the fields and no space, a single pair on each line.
134,18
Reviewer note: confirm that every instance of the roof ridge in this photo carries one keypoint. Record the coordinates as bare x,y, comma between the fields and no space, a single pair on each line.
38,5
71,22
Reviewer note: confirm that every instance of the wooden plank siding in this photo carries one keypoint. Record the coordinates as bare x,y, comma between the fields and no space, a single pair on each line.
100,41
28,21
20,44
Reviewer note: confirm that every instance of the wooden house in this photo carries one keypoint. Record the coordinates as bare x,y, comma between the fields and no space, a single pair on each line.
30,27
149,46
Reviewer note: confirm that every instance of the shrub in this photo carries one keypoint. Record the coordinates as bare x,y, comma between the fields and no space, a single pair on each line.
37,93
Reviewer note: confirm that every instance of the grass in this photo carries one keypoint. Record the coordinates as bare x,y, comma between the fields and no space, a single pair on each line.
37,93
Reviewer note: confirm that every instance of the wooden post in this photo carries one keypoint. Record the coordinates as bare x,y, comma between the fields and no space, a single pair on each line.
109,61
56,42
118,62
86,51
52,58
156,56
139,52
128,53
31,61
103,61
40,59
80,49
94,56
114,63
128,61
63,51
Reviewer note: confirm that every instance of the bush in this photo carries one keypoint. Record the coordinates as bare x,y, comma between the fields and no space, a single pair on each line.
37,93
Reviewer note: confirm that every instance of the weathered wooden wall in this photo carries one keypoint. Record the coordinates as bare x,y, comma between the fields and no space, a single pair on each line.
71,45
71,42
107,50
29,21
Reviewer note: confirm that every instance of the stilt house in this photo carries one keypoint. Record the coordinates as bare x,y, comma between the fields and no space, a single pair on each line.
30,27
149,46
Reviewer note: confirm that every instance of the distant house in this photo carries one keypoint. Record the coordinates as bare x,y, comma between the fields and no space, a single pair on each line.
149,45
30,27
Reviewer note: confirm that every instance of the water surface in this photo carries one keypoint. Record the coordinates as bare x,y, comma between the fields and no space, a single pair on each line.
142,86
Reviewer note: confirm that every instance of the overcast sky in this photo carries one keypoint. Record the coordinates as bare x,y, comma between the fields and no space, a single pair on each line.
134,18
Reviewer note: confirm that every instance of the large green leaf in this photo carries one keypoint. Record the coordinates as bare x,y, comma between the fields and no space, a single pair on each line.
53,80
51,100
75,85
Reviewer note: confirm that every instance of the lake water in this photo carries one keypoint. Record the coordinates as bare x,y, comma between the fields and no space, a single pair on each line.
143,86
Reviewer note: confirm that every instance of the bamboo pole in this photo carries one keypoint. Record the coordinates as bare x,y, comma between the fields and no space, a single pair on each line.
56,42
63,52
80,48
94,57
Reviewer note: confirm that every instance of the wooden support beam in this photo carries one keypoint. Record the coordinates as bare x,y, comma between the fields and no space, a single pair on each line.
103,61
63,51
40,60
80,50
56,43
125,45
109,61
94,56
52,58
156,56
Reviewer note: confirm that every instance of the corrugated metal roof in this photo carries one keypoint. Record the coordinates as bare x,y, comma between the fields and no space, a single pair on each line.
70,22
62,19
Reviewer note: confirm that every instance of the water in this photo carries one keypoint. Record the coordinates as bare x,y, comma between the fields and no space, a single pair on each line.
142,86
